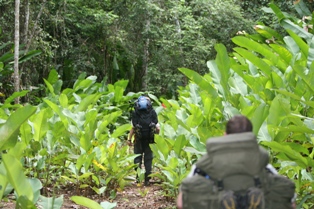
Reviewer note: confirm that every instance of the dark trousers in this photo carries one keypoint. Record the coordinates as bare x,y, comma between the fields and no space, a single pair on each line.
142,147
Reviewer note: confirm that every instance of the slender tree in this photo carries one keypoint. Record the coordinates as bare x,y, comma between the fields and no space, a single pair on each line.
16,50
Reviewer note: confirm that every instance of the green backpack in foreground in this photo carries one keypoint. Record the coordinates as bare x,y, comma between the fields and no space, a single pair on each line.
233,175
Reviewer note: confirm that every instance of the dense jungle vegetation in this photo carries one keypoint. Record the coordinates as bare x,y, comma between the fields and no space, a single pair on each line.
82,64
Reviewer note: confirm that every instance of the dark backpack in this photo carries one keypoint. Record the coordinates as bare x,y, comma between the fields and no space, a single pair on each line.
233,175
144,120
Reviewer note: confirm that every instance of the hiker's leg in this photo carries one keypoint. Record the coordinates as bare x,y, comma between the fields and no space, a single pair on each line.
148,159
138,150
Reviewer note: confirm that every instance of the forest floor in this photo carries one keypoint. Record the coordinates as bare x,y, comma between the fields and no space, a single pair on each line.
132,197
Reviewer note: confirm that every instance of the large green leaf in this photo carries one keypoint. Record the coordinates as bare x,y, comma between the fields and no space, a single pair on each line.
107,119
290,153
162,146
57,110
295,97
307,77
108,205
216,77
87,101
200,81
119,88
252,81
196,116
268,32
29,55
10,129
50,202
279,110
291,26
23,202
36,187
50,87
84,84
64,101
40,125
258,117
3,184
310,57
121,130
91,204
276,10
262,49
16,177
304,47
53,76
10,99
258,62
169,131
223,64
182,116
85,143
179,143
302,9
5,45
283,53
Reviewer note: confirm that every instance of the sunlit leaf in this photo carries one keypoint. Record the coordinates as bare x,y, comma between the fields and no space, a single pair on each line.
84,201
16,177
10,129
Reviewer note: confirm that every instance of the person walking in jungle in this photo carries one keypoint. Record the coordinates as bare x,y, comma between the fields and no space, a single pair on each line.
144,126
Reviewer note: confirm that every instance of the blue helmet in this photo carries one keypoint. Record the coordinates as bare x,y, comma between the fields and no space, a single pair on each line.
143,103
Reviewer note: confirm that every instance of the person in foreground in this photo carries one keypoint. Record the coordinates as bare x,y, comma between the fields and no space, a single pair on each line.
235,174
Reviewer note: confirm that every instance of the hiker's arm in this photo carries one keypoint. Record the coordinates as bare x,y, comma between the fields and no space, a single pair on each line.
131,134
179,201
157,128
155,120
294,205
132,130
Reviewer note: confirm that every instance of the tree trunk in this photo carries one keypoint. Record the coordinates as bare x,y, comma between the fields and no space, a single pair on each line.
35,31
179,32
145,61
16,50
145,51
25,37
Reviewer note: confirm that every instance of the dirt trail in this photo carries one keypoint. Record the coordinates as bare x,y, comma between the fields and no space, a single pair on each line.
132,197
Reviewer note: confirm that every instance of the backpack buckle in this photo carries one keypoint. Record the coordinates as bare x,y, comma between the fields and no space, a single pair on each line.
257,182
220,185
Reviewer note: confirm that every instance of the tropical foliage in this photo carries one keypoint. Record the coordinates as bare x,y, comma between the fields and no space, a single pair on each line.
75,134
74,137
142,41
269,78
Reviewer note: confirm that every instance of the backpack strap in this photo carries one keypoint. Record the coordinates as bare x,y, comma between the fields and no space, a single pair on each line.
201,172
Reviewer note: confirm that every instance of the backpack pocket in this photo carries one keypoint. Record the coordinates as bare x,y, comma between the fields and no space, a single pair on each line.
253,198
199,192
279,192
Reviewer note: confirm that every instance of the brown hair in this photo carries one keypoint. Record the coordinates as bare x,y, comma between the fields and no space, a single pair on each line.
238,124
